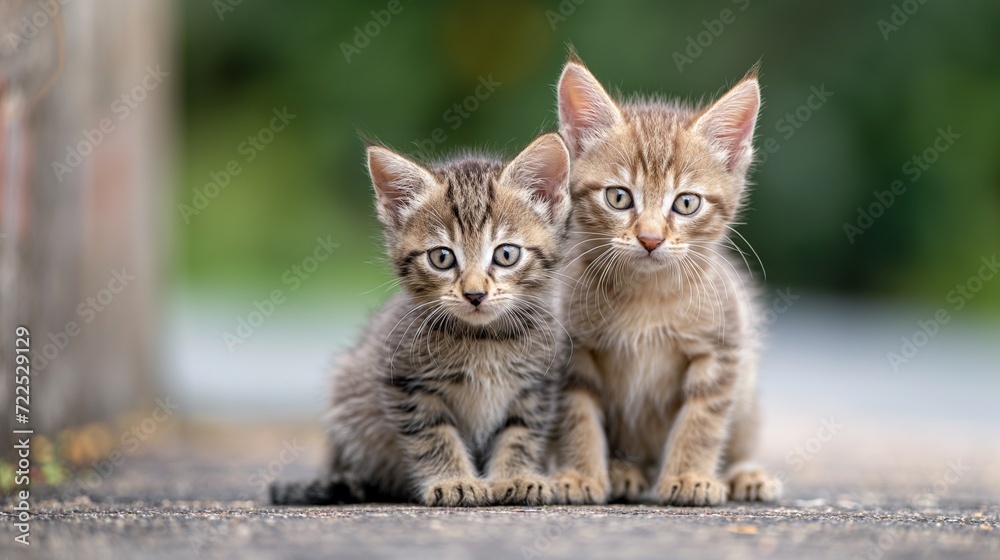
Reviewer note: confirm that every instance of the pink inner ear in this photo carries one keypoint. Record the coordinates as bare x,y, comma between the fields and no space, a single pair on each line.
383,179
550,176
392,175
585,109
542,169
731,121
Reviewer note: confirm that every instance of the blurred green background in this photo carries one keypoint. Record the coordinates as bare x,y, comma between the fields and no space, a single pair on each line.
893,86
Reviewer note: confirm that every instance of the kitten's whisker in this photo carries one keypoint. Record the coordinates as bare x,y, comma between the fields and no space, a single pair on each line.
683,270
742,253
763,270
605,283
696,274
541,307
393,282
581,255
592,270
402,337
718,297
404,317
746,292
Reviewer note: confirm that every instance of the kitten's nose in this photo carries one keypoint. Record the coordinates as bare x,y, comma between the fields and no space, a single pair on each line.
649,242
475,298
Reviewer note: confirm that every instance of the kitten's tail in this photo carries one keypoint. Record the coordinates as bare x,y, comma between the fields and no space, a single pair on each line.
315,493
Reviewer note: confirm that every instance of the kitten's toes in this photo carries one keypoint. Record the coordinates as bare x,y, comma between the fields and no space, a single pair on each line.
528,489
753,485
465,491
627,481
572,487
691,489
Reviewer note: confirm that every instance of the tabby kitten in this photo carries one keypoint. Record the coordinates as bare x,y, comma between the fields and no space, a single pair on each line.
661,390
449,397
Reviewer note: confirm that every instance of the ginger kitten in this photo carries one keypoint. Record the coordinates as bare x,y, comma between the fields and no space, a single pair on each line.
449,397
661,391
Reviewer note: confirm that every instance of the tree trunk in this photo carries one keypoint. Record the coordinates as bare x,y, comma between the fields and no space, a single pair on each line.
82,192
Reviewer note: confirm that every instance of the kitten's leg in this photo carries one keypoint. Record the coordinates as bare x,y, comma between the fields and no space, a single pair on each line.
442,467
693,450
519,446
581,446
628,482
747,482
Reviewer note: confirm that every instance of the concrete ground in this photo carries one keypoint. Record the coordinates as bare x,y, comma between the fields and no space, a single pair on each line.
197,492
880,462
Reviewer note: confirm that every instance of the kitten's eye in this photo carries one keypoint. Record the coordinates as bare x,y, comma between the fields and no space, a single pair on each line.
619,198
441,258
687,204
507,255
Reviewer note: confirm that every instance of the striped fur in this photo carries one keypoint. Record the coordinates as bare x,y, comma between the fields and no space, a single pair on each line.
660,397
443,402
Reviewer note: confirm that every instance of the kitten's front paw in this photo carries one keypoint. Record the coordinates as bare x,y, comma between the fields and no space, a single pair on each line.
527,489
627,481
465,491
753,485
575,488
691,489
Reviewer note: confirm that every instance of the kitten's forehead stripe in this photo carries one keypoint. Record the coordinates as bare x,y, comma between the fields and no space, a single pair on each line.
470,191
654,136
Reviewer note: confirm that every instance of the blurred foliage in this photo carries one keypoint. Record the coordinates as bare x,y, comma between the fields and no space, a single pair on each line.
46,468
938,69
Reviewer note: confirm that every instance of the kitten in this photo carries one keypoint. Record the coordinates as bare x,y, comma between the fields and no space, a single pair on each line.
661,390
449,398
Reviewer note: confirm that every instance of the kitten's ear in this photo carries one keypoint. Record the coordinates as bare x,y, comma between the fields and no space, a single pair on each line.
586,111
543,169
729,123
397,181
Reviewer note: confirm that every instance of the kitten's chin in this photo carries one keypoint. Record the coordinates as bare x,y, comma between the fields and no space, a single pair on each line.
477,316
652,262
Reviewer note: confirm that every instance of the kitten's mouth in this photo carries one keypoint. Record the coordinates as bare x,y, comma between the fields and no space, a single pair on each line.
662,257
477,315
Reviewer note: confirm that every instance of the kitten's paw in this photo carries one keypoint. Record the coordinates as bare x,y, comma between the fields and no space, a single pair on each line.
527,489
753,485
575,488
627,481
691,489
465,491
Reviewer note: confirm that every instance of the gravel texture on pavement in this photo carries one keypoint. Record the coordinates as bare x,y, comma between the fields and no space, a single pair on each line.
197,492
